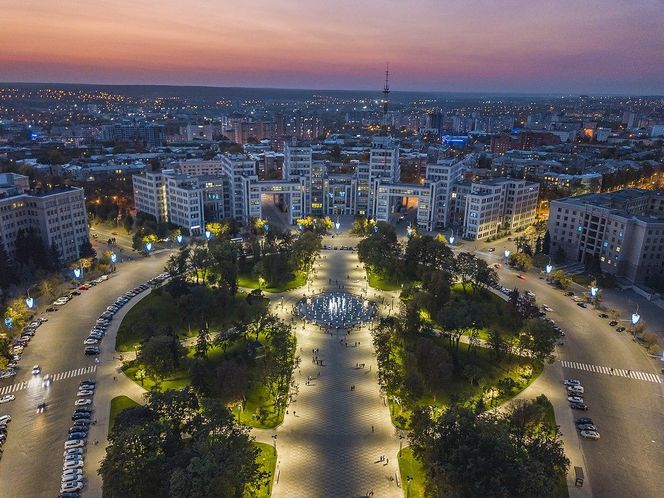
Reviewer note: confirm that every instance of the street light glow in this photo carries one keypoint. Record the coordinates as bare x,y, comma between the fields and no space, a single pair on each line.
549,268
507,253
29,302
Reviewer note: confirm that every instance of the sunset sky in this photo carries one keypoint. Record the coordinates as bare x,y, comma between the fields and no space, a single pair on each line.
588,46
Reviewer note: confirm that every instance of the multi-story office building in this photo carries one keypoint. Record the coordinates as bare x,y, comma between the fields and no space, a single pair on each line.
230,185
151,134
624,230
496,205
57,215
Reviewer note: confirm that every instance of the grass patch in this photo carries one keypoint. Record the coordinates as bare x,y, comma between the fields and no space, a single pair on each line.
583,279
410,466
523,371
259,400
380,282
159,311
267,459
118,404
247,281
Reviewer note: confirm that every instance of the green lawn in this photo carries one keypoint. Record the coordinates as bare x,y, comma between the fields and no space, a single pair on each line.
159,310
409,466
268,463
247,281
493,369
118,404
583,279
381,283
550,419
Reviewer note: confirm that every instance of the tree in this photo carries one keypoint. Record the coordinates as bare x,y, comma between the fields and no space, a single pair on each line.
546,243
496,343
7,270
465,454
563,280
380,251
521,261
464,266
86,250
161,355
202,344
542,338
304,251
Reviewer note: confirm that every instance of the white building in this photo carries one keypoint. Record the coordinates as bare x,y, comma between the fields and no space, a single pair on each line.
58,216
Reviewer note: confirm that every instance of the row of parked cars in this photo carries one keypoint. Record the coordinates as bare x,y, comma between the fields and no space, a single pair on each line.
92,342
61,301
73,478
575,392
18,345
342,248
4,420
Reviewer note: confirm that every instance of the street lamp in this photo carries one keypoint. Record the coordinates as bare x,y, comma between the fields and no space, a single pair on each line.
452,238
507,253
179,239
548,269
148,246
408,480
594,291
635,316
9,322
208,234
78,272
275,443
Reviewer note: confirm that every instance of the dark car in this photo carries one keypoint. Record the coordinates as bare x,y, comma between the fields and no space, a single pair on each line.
603,315
79,416
582,305
75,436
584,420
578,406
77,429
92,350
52,309
569,293
613,323
620,329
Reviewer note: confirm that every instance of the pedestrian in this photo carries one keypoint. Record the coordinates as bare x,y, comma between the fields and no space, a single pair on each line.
319,374
372,428
115,378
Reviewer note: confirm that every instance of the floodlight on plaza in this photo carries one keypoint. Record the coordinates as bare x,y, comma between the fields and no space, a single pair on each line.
548,269
507,253
208,234
636,317
593,291
114,257
179,239
148,246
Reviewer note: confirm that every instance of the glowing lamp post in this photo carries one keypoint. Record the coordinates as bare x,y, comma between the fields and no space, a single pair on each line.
409,231
148,247
29,302
179,239
9,322
507,253
208,234
114,258
78,273
635,318
548,269
594,291
451,240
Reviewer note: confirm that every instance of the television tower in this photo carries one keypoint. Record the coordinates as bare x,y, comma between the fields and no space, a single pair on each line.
386,95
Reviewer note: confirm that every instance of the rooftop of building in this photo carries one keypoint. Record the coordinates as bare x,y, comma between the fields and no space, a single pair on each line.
617,202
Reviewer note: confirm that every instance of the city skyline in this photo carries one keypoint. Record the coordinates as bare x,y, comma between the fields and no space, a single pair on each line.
431,46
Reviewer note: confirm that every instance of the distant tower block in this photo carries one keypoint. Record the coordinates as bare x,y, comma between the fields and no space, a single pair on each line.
386,96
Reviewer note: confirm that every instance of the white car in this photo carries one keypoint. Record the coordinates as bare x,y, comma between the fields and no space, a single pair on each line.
73,451
84,392
83,402
575,399
78,464
572,382
79,443
72,472
7,398
547,308
5,418
90,341
590,434
71,478
36,370
48,380
71,488
577,389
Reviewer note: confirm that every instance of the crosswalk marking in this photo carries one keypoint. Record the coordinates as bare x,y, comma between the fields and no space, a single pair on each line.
19,386
617,372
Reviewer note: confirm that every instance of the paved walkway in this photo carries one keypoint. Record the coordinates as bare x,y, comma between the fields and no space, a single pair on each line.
326,445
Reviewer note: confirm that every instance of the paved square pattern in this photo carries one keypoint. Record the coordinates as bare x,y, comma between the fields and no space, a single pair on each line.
326,445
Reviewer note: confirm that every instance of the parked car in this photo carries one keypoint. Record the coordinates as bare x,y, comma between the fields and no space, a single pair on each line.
522,277
575,390
83,402
584,420
590,434
613,323
572,382
586,427
575,399
7,398
582,305
603,315
578,406
620,329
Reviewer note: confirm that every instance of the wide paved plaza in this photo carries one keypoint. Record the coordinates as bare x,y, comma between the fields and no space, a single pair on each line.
338,428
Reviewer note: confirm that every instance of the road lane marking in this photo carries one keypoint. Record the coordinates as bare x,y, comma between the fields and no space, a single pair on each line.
20,386
616,372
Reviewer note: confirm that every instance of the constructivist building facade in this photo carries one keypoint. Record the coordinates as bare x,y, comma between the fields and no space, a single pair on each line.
229,186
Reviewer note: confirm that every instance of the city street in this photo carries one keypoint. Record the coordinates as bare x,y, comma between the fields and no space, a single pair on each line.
628,411
32,459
